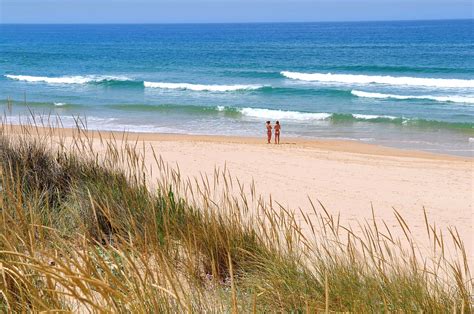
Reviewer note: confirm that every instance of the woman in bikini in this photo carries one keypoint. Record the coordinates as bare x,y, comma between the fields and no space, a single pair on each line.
269,131
277,132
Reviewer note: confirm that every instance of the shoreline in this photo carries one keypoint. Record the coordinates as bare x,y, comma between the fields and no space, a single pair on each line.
347,146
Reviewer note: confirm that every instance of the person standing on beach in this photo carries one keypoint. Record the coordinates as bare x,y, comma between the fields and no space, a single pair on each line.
269,132
277,132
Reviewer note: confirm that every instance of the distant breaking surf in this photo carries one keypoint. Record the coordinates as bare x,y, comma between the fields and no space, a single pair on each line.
201,87
120,80
456,99
68,79
377,79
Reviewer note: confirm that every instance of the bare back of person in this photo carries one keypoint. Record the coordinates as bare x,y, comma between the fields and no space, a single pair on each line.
269,132
277,132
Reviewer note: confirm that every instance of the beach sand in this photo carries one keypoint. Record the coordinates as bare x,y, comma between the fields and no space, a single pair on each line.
349,178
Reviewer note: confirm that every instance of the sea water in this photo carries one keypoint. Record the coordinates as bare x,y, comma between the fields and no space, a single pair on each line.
400,84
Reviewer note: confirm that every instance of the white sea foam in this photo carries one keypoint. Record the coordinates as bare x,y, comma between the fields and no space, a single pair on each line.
59,104
372,117
67,79
201,87
456,99
220,108
302,116
377,79
281,114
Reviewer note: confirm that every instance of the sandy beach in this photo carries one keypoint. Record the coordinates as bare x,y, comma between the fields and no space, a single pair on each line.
348,177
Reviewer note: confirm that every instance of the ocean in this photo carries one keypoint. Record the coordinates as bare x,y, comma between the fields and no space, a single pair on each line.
400,84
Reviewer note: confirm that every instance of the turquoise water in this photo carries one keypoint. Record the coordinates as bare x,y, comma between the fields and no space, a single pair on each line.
401,84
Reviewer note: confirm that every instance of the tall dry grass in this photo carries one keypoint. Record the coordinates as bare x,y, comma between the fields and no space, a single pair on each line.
82,231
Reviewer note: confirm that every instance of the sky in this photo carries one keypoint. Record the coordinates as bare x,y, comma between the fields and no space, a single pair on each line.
231,11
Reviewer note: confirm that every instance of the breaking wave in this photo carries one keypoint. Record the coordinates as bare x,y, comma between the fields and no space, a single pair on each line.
201,87
378,79
69,79
282,114
125,81
455,99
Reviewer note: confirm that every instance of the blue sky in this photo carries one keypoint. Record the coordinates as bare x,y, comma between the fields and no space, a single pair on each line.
191,11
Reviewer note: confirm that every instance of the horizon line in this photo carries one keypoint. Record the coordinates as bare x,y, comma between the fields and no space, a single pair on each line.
247,22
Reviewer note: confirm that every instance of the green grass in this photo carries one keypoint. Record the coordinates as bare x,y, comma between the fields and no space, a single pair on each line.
83,232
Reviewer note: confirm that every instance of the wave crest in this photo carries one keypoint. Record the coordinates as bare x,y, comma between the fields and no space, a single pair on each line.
281,114
201,87
377,79
371,117
67,79
456,99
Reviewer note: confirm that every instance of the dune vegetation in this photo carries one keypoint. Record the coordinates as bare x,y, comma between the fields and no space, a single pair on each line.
83,230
